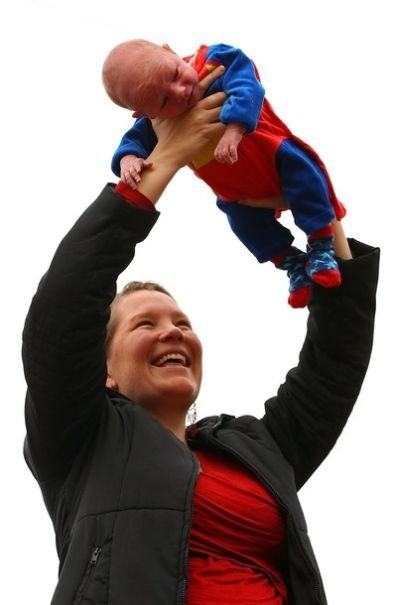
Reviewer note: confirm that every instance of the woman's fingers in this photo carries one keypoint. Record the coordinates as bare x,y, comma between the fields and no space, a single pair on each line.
181,138
189,132
205,112
206,82
213,102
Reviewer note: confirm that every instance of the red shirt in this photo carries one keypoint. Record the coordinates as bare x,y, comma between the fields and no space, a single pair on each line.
238,538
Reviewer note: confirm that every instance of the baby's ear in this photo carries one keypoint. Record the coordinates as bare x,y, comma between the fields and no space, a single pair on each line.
167,47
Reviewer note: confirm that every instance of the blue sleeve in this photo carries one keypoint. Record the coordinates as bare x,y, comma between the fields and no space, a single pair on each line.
139,140
241,84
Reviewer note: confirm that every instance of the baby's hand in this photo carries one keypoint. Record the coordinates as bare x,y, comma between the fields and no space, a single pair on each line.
226,150
131,167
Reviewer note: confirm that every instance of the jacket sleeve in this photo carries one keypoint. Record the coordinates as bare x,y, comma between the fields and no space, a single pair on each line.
240,82
64,333
139,140
312,406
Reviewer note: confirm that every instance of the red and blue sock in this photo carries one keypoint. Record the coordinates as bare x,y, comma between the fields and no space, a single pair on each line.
322,266
293,261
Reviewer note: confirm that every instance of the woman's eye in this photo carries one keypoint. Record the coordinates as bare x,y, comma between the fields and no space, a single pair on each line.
144,323
183,323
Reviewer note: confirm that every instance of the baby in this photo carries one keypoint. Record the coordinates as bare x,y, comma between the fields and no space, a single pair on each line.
257,160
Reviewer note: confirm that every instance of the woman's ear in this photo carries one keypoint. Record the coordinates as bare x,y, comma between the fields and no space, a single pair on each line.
111,383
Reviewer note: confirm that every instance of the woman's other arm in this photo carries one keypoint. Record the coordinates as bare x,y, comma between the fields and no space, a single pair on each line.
313,405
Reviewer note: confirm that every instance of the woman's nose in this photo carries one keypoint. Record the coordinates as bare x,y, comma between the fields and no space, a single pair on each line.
171,332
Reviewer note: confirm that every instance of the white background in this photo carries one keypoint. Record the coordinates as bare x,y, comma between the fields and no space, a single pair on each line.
331,72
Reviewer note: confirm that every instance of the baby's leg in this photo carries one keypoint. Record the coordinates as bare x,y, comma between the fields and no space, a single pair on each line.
305,189
267,239
257,229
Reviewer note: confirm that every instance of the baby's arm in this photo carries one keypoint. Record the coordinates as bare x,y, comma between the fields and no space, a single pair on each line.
241,110
131,167
241,84
226,150
136,145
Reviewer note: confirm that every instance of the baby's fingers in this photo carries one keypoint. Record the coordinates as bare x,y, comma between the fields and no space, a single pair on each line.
130,179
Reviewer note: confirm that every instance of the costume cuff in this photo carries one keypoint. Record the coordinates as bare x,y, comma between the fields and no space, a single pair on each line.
133,197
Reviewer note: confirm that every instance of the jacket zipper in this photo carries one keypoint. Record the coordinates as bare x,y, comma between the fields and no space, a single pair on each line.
94,556
316,579
180,600
183,587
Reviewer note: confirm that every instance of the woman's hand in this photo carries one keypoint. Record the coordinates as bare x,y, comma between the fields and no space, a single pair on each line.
185,135
181,138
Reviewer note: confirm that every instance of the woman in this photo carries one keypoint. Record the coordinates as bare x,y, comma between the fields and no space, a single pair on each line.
144,511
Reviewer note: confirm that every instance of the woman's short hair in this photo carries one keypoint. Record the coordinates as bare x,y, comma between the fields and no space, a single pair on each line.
134,286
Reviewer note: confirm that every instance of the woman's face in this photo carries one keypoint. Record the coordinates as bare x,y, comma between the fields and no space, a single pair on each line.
154,356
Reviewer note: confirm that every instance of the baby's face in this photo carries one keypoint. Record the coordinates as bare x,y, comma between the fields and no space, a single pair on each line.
171,89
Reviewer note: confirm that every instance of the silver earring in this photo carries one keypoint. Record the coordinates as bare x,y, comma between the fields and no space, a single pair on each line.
191,416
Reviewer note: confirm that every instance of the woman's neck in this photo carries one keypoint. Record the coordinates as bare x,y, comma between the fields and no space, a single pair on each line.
176,423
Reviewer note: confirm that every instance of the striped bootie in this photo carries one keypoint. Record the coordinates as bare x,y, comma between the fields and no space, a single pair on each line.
322,266
293,261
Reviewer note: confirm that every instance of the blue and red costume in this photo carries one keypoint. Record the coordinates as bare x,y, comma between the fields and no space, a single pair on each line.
272,162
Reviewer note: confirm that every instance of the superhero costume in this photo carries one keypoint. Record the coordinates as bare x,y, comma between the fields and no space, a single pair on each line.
272,162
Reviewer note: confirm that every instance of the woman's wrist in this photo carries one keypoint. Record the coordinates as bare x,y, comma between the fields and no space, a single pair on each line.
342,247
155,179
167,155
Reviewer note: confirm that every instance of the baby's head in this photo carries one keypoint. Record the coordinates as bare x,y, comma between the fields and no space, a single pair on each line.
150,79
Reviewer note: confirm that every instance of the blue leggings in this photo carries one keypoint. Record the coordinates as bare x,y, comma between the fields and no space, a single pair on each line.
304,189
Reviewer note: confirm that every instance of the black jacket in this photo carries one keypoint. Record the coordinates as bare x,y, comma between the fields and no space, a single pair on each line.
117,485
